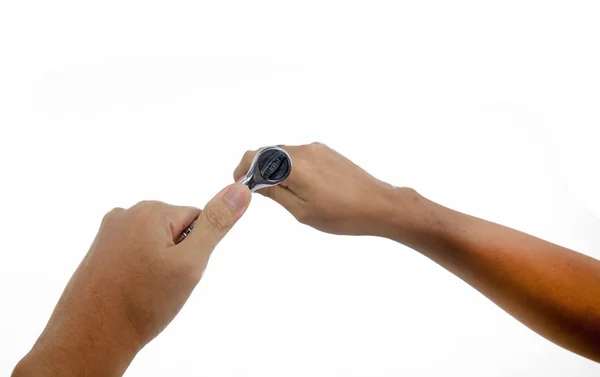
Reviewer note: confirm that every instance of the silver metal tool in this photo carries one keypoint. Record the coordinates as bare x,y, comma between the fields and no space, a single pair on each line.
270,167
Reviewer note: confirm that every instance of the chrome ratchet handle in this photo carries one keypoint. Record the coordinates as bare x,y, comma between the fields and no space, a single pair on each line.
270,167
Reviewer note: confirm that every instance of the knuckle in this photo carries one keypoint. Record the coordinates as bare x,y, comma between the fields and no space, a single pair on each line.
149,205
143,204
317,146
301,165
112,214
302,215
314,149
248,155
217,220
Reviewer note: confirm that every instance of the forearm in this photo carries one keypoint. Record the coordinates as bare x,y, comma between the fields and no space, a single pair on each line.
64,359
553,290
65,363
78,344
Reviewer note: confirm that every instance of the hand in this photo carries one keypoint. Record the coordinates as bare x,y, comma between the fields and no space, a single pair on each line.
327,191
130,285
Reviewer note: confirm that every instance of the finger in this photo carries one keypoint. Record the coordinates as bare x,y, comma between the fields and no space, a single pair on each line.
283,196
217,218
179,218
112,213
242,168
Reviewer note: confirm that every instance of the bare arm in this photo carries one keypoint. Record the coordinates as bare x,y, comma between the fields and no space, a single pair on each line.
130,285
553,290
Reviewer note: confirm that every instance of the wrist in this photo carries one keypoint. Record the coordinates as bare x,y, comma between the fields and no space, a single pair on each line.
67,354
418,222
401,214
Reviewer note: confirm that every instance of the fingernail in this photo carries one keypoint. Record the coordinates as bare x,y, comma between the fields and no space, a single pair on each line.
237,197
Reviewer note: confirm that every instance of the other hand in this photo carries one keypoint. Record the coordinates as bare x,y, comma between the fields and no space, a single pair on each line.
327,191
130,285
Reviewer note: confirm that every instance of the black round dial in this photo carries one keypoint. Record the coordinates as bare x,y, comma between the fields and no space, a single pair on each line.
274,165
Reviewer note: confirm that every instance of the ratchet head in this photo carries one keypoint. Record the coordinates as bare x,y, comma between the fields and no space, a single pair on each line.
270,166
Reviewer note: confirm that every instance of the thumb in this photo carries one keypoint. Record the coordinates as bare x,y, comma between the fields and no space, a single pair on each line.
219,215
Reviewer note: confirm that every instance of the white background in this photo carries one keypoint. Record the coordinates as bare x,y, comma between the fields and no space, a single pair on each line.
487,107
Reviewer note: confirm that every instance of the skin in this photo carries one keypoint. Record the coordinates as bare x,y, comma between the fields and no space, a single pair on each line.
553,290
134,279
130,285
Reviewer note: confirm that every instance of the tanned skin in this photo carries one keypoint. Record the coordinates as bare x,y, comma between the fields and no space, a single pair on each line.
134,279
130,285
